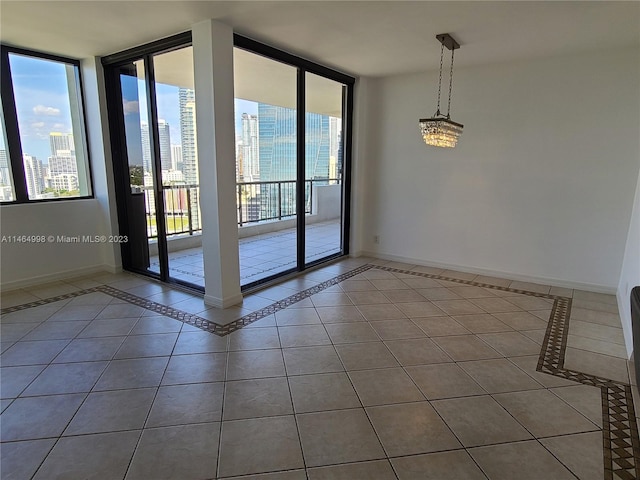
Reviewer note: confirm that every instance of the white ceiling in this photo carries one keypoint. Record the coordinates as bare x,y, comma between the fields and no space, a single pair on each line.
371,38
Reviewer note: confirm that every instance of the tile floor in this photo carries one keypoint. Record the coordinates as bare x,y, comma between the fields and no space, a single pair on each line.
261,255
339,374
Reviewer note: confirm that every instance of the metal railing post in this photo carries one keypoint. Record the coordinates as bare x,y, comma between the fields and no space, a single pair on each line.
239,204
189,219
279,201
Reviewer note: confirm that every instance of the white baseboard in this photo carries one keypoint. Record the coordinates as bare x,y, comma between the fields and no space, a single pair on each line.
554,282
53,277
222,302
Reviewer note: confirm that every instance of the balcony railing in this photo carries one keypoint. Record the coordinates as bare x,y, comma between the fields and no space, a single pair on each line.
256,202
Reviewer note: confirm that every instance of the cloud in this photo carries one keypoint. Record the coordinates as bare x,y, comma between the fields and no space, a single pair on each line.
131,106
42,110
37,125
59,126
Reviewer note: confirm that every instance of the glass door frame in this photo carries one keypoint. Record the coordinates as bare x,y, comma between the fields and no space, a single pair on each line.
303,67
112,65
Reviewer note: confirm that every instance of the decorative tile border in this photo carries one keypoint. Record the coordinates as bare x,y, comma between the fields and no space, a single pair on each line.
621,444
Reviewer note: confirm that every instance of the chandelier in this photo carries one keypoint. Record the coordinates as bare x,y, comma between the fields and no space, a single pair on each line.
440,130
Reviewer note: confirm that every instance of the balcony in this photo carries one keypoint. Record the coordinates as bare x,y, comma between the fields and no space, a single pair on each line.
266,213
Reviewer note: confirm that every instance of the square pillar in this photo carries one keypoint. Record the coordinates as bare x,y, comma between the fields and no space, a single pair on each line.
215,126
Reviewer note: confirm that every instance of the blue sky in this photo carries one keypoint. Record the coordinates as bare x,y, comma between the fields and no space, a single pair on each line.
42,104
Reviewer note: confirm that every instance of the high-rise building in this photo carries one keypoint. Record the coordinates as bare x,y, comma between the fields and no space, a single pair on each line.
277,143
5,171
164,136
187,99
62,144
249,141
176,157
34,175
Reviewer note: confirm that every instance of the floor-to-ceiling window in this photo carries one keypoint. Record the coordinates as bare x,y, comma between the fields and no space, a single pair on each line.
292,122
154,143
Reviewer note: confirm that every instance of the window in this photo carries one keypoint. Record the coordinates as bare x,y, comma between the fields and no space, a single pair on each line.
43,152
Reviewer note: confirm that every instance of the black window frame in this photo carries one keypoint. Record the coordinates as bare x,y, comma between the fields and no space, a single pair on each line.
12,129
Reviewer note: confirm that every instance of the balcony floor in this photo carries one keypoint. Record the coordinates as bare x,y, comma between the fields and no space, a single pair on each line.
261,255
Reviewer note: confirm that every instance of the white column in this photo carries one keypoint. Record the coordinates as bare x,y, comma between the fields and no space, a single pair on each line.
213,65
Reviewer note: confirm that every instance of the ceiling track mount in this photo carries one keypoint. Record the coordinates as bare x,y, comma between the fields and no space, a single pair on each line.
448,41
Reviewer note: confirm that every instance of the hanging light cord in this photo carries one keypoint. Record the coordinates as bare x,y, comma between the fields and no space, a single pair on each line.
440,81
450,83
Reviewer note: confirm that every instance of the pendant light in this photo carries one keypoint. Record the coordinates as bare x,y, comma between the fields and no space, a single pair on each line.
440,130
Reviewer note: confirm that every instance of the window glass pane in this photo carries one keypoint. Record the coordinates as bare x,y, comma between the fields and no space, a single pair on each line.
48,106
7,193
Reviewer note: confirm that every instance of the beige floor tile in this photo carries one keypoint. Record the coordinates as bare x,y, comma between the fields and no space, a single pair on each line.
340,314
500,282
466,347
255,364
440,326
375,470
156,324
596,331
410,429
362,356
112,411
352,285
133,373
264,397
444,380
437,466
367,298
351,332
381,312
429,270
303,336
494,305
457,307
202,367
595,297
254,339
105,456
480,421
339,436
417,351
596,306
584,398
458,275
32,353
499,375
308,360
482,323
403,296
330,299
397,329
153,345
596,364
421,282
47,330
469,291
597,346
521,320
505,462
283,475
531,303
561,292
248,446
169,453
420,309
13,380
544,414
511,344
297,316
438,293
38,417
529,286
22,459
389,284
200,342
184,404
529,364
327,391
582,453
594,316
543,314
384,386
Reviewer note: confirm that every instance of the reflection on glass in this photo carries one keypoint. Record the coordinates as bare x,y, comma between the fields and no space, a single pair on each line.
176,107
323,167
7,194
266,166
51,127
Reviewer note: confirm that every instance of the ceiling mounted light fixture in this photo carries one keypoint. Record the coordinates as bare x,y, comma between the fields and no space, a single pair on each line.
440,130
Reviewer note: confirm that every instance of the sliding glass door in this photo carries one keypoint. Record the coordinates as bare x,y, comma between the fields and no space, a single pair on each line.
291,160
152,119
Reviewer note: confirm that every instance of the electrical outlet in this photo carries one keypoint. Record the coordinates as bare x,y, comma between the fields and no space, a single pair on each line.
376,239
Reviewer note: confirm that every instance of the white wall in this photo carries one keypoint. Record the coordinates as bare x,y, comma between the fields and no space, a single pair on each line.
540,186
630,276
25,264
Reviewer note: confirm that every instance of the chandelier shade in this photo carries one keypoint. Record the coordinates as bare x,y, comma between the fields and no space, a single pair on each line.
440,130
